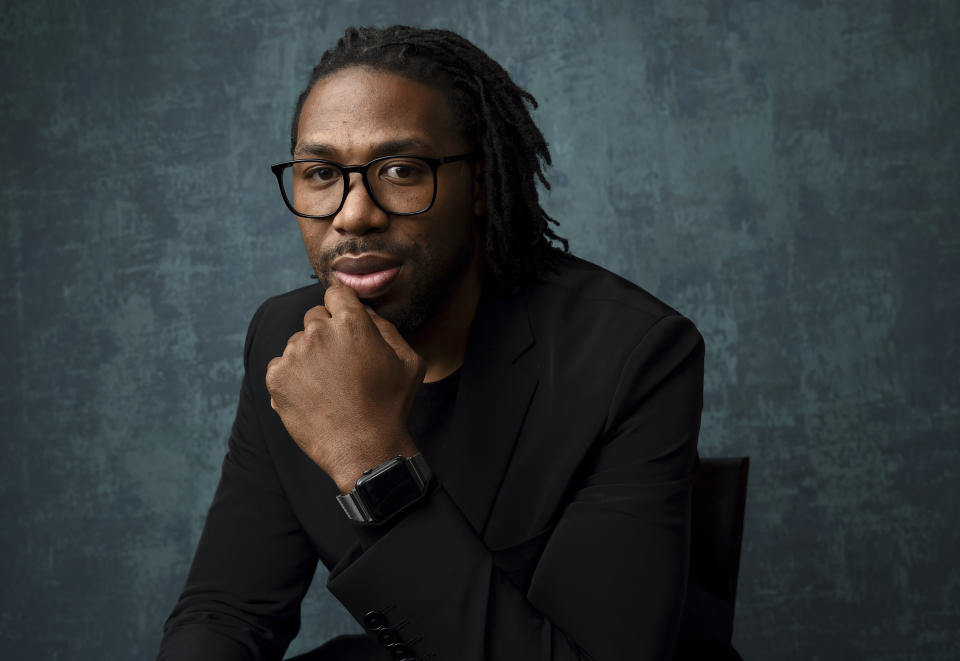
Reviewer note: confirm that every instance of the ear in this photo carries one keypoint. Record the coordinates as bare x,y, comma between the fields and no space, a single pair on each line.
479,193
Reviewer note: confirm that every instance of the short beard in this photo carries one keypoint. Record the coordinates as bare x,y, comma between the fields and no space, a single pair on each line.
432,286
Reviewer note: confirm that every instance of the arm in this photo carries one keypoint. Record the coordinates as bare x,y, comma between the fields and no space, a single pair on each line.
253,563
609,583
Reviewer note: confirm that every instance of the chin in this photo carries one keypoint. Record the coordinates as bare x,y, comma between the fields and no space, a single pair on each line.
408,318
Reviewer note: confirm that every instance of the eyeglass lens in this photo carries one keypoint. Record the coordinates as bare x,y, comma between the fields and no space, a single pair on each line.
399,185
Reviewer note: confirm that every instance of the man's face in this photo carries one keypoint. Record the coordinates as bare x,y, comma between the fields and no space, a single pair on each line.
404,267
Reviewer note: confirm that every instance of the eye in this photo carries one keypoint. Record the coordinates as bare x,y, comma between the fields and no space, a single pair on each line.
321,174
398,171
404,171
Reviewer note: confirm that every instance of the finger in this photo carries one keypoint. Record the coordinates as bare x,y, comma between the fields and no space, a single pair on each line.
340,298
318,313
270,376
399,345
292,342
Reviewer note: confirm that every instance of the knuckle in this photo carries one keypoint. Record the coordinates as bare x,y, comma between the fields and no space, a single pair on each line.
350,316
352,323
271,376
316,312
331,295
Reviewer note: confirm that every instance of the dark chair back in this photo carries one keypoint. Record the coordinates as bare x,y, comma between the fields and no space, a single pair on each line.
719,499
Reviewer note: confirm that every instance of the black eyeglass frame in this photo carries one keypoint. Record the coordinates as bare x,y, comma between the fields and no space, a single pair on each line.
346,170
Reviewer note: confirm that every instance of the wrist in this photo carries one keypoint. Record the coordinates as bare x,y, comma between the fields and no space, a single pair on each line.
349,471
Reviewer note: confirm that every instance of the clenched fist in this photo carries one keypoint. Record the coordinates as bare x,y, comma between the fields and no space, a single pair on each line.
344,387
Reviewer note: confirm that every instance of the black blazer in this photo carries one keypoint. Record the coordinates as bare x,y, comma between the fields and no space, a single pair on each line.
559,526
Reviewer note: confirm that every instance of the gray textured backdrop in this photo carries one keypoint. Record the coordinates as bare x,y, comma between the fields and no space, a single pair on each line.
785,173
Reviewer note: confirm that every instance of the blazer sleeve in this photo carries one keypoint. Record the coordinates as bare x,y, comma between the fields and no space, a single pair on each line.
253,563
610,580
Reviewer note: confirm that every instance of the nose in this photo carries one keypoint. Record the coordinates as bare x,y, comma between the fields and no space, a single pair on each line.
360,214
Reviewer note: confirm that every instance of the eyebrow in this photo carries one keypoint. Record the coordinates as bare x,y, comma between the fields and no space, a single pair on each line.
324,150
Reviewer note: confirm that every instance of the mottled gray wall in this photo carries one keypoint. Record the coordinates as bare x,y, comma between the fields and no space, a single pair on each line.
785,173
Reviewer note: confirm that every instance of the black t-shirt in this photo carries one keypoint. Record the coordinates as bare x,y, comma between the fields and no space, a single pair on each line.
430,418
428,424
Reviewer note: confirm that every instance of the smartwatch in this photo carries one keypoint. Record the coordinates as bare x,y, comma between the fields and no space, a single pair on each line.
386,490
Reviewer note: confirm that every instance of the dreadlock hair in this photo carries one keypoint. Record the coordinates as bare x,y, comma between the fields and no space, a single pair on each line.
491,112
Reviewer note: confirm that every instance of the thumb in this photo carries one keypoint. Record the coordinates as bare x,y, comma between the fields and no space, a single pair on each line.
392,336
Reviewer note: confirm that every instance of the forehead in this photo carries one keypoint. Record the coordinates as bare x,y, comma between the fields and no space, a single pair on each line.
355,111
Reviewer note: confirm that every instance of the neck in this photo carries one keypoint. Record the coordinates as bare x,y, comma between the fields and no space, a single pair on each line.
442,341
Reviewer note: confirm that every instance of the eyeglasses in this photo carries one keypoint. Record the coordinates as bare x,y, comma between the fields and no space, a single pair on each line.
400,185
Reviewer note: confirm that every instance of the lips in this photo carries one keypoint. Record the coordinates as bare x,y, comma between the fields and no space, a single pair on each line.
369,275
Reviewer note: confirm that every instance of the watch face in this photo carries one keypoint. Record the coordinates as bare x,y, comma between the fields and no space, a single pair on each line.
388,490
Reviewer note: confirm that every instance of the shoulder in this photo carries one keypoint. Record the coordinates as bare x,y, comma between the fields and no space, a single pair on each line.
580,304
278,318
290,307
587,281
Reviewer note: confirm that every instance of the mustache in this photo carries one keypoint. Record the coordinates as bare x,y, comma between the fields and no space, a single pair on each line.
360,245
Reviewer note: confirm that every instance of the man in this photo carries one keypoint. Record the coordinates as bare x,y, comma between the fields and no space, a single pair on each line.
489,443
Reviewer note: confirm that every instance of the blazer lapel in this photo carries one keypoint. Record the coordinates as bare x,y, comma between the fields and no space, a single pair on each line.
497,385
